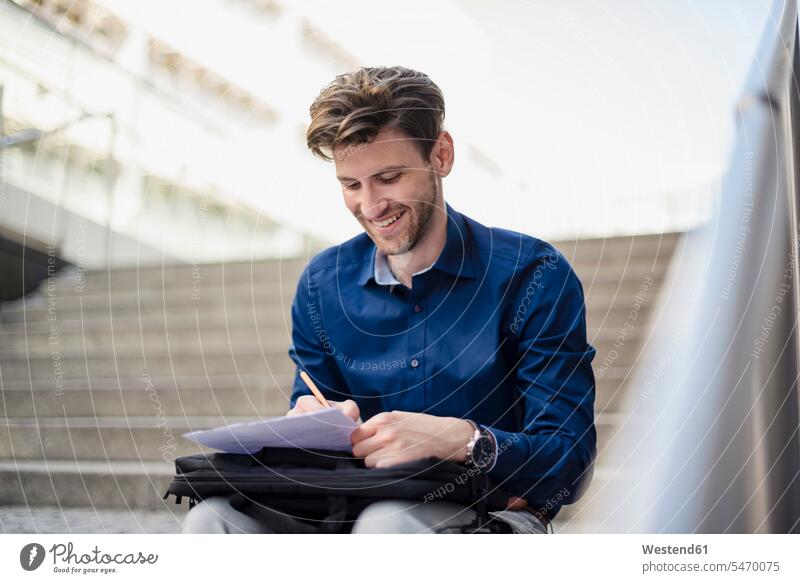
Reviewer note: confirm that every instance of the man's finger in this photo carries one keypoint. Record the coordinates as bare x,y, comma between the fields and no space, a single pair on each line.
349,408
367,446
362,432
386,459
516,503
384,418
303,406
381,458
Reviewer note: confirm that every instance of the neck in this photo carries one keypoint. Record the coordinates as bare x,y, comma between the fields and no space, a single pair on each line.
424,253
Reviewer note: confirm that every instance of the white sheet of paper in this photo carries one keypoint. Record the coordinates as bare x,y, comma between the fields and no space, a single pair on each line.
323,429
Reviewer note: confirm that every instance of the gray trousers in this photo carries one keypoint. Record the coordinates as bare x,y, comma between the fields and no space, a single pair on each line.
217,516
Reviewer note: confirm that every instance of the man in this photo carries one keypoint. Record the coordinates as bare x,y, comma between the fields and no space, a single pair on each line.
449,339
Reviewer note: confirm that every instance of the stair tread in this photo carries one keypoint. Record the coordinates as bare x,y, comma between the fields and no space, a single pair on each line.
128,421
88,466
602,418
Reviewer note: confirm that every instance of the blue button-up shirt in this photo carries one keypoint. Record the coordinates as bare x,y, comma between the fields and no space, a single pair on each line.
493,331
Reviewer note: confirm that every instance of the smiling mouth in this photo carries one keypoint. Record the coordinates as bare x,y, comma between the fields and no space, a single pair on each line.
389,221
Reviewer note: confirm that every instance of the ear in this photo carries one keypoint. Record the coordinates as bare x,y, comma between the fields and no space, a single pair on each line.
443,154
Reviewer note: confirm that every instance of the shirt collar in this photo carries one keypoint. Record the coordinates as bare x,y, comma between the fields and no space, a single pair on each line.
456,257
383,273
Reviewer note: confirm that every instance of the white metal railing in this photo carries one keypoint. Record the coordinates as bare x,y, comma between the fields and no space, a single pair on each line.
710,440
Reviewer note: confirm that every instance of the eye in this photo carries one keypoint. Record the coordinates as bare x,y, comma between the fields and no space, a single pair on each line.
352,185
390,179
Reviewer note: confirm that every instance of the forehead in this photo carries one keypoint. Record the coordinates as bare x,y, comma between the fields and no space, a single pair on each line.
391,147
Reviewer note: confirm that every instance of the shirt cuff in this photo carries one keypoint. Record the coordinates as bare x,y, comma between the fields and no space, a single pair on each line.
496,449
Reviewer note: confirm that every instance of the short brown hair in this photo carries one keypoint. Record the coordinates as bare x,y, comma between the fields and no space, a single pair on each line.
355,106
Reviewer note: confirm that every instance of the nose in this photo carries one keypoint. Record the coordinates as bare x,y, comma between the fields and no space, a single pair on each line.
373,204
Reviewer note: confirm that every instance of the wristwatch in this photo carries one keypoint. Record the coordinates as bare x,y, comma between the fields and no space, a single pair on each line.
481,450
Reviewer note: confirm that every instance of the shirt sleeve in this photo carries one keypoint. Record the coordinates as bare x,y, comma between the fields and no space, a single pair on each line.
553,454
312,349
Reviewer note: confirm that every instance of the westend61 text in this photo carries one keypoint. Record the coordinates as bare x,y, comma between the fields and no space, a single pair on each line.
675,550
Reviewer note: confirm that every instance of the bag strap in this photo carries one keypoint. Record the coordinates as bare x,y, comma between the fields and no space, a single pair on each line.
483,523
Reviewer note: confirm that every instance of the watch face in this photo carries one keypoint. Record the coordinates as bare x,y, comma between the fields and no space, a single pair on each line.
482,452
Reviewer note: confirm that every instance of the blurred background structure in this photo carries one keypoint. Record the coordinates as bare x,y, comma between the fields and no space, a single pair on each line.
157,205
123,149
711,437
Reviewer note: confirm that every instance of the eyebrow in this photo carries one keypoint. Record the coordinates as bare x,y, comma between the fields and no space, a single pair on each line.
381,171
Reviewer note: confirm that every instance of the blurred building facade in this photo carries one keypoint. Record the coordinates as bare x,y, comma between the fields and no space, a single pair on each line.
123,148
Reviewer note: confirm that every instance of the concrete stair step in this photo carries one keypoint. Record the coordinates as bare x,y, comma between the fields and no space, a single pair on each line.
154,300
176,350
194,274
108,401
159,297
202,370
169,293
94,336
71,520
134,316
159,381
164,320
574,518
34,340
156,286
571,518
121,304
246,297
580,253
98,395
93,366
650,286
608,352
633,270
153,340
181,277
91,483
591,273
220,317
218,329
197,397
609,377
150,437
267,312
610,396
616,317
614,250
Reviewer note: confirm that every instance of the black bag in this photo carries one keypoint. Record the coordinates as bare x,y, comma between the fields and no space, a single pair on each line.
325,491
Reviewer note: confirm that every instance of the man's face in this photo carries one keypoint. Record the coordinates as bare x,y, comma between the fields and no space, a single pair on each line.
389,188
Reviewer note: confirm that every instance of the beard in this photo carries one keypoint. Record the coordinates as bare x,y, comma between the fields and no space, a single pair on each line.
418,219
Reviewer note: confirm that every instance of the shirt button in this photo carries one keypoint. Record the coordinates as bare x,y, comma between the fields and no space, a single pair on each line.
417,308
414,363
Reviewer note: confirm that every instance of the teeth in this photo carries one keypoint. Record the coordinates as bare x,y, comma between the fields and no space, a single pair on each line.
389,221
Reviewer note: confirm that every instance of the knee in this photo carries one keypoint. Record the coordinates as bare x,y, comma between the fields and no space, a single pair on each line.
207,517
387,516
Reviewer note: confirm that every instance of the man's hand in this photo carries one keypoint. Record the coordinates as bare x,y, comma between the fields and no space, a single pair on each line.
393,438
309,403
396,437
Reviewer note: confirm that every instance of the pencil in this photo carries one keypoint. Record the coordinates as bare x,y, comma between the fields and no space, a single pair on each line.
310,384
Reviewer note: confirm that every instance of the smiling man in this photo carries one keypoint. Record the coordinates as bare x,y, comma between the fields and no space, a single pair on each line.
449,338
